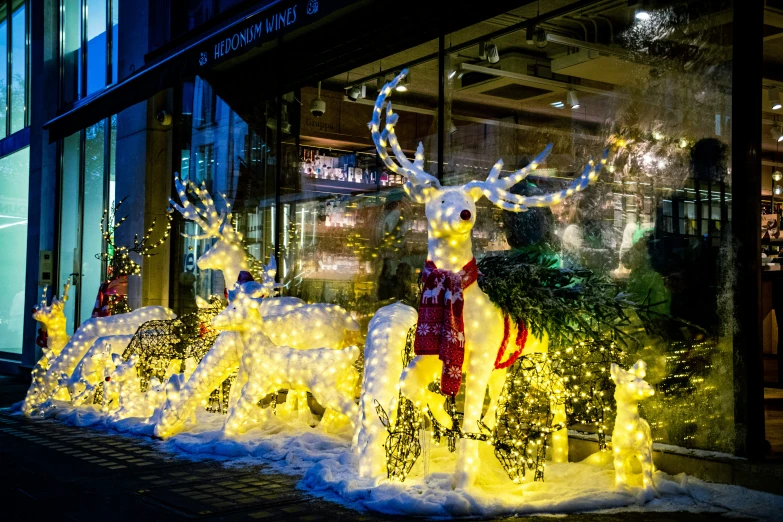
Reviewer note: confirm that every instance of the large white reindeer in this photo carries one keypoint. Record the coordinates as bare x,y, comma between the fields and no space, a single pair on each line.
451,214
227,254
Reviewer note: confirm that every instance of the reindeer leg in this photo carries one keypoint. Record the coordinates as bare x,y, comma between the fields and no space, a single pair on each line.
219,363
496,381
414,382
645,459
620,474
241,414
328,396
468,462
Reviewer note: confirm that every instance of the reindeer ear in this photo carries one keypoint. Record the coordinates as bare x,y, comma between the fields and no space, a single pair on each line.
639,369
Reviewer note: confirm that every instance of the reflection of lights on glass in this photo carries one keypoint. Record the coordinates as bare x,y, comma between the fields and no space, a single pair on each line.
777,175
643,16
451,74
557,104
778,190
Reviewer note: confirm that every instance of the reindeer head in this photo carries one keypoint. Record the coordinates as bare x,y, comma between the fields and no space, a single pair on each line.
242,313
451,211
630,385
227,254
49,314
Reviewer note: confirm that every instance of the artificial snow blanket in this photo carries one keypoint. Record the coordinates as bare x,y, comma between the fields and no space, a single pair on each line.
329,470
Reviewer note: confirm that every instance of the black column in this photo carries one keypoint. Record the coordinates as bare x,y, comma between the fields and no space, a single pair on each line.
746,226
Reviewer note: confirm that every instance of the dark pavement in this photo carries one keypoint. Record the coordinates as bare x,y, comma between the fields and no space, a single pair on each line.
50,471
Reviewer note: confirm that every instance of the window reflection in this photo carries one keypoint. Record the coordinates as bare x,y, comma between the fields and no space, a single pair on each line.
654,225
14,170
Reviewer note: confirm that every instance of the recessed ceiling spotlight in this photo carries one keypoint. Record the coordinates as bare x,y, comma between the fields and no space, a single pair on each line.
777,133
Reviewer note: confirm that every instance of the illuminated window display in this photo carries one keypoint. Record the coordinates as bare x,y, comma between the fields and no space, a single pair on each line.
312,191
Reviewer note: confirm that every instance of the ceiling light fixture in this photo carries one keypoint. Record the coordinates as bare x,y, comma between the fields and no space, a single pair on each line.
642,16
777,175
777,133
558,104
573,101
356,91
489,51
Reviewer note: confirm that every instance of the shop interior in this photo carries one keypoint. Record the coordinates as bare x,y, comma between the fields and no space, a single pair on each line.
771,240
303,164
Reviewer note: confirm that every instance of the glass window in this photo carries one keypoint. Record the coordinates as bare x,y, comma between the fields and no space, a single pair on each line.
89,51
71,43
3,70
96,45
115,38
95,201
69,260
220,149
18,66
349,234
654,223
14,176
87,189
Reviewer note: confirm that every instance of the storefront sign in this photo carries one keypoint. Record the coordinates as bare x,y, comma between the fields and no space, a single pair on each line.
263,26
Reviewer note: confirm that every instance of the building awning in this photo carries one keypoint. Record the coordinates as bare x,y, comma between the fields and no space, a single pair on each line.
252,33
277,48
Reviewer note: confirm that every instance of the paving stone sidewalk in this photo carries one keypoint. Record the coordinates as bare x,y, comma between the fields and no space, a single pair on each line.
51,471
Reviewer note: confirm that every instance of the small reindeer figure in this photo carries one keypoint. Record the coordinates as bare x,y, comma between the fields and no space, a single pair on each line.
265,367
287,321
631,437
83,339
451,214
227,254
53,323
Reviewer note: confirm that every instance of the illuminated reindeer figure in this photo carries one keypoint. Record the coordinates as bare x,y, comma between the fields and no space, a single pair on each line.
227,254
451,214
52,317
284,321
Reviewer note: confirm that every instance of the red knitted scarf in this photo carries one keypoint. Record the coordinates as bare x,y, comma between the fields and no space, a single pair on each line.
441,331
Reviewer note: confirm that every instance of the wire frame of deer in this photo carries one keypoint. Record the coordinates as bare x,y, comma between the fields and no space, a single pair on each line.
421,186
118,257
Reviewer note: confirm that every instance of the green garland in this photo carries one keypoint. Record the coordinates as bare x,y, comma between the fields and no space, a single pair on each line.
570,305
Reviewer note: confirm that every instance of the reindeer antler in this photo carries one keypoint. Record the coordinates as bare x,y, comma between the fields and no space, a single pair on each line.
66,287
496,189
204,214
413,171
